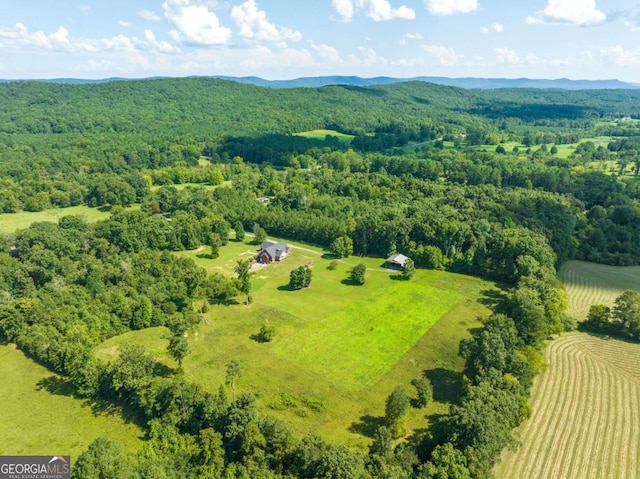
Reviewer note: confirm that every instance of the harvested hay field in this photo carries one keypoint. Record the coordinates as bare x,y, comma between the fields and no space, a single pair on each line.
591,283
586,413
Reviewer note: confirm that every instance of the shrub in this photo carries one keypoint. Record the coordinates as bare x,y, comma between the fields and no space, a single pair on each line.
267,332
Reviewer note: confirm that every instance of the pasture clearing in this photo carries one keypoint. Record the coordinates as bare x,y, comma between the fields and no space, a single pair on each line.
321,134
11,222
593,283
339,349
586,413
41,416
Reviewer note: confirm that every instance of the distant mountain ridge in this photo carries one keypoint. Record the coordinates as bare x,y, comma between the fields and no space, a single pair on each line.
466,82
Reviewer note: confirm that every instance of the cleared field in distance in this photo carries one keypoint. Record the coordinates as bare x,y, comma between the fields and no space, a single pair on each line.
40,416
339,349
322,134
592,283
586,413
11,222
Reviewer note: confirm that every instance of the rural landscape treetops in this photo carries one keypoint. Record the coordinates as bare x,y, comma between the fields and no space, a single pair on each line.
226,280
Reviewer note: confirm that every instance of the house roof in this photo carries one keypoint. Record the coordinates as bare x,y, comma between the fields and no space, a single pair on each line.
266,244
274,250
398,259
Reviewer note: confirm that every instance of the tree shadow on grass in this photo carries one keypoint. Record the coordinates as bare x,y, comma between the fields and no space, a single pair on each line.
350,282
398,277
447,384
99,407
491,298
58,386
162,370
226,302
368,425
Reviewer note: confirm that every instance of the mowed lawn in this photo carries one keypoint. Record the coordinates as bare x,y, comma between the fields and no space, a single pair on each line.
592,283
339,349
40,416
356,345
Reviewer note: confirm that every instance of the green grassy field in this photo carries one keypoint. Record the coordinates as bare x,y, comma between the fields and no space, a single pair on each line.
40,415
564,151
321,135
11,222
592,283
339,349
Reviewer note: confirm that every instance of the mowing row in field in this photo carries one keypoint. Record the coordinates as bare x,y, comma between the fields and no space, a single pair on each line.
584,422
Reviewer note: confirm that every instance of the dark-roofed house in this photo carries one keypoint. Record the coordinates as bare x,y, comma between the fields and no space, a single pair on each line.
270,252
396,261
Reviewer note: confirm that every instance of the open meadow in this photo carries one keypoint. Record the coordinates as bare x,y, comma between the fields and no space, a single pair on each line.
585,421
40,415
321,134
592,283
11,222
338,349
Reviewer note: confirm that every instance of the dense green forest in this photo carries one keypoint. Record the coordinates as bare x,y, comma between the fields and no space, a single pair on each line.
418,177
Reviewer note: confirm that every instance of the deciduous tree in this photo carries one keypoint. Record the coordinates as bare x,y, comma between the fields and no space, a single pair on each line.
357,275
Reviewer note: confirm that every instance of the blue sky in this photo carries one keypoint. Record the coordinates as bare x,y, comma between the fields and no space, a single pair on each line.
283,39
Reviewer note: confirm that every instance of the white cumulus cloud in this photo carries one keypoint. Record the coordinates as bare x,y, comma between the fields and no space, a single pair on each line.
377,10
253,23
451,7
19,36
445,55
573,12
327,53
510,57
619,56
343,10
194,23
148,15
366,57
494,27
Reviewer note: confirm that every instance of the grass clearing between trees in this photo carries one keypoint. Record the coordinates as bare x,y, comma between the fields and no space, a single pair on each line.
321,134
11,222
592,283
586,413
40,415
339,349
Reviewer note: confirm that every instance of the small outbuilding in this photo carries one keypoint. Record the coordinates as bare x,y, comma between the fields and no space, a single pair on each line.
396,261
270,252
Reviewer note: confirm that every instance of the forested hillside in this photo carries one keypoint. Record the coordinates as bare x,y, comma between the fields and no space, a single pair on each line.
504,185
